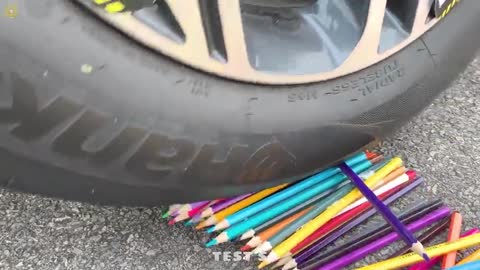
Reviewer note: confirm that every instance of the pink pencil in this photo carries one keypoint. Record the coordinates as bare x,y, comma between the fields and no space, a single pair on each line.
191,213
222,205
189,206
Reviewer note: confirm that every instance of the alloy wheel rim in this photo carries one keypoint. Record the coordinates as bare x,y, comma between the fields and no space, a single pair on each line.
228,37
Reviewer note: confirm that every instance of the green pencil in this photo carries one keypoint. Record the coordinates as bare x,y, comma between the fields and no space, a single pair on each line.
251,233
240,228
292,227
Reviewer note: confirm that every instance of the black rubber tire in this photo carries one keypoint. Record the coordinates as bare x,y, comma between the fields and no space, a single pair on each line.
141,129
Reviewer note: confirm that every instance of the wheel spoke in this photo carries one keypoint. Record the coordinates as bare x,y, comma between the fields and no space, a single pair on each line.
187,13
231,18
367,47
420,24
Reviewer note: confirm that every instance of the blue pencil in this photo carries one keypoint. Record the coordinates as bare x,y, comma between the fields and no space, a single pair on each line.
468,266
387,214
286,193
253,221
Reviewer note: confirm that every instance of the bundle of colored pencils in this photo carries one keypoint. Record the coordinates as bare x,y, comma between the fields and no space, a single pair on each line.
292,225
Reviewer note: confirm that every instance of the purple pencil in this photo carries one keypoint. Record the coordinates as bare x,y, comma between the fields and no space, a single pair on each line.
189,206
385,211
304,255
386,240
222,205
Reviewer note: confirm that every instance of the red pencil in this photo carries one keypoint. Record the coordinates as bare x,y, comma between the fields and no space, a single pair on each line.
454,232
338,221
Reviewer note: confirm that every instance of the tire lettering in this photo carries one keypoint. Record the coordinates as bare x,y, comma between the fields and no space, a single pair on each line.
371,82
70,130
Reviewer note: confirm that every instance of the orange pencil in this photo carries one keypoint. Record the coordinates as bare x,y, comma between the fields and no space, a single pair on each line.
266,234
212,220
454,232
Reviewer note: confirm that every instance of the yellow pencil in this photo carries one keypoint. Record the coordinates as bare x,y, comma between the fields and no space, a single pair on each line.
329,213
473,257
212,220
434,251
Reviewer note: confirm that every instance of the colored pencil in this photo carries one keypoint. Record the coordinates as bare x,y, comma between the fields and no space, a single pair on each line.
254,242
348,226
378,162
194,220
186,215
472,257
454,232
426,237
284,194
396,176
239,205
315,240
392,180
385,211
360,253
408,216
284,260
251,233
328,214
189,206
434,251
240,228
211,210
309,245
171,209
469,266
436,260
315,211
328,227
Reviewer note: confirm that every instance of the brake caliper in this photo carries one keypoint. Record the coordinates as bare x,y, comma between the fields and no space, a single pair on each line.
116,6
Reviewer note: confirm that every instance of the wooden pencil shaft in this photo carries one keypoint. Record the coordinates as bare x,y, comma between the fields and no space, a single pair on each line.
453,234
316,198
321,243
298,208
318,208
406,235
393,177
433,251
409,216
434,261
290,191
426,236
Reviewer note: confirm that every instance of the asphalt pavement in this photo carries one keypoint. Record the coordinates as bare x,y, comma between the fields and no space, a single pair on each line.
443,143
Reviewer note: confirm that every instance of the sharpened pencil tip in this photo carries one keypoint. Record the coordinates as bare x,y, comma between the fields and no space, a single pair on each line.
189,223
248,234
245,248
165,215
262,265
290,264
212,243
200,226
420,250
211,229
370,155
425,257
171,222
